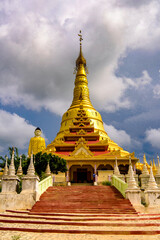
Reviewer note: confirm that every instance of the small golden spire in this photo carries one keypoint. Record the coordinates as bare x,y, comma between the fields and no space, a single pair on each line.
144,158
154,165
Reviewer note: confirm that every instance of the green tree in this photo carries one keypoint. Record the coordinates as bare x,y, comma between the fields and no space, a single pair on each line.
56,163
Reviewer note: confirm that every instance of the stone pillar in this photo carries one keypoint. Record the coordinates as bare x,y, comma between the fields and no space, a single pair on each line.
133,193
30,181
144,177
10,180
67,177
152,192
95,172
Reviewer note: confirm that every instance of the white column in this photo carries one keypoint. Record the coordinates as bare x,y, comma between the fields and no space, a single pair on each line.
95,172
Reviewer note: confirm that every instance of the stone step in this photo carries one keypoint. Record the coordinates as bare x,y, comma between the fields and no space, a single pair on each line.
93,225
108,224
90,232
73,214
75,217
83,199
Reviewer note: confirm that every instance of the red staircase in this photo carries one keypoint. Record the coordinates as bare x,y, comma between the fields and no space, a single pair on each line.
80,212
83,199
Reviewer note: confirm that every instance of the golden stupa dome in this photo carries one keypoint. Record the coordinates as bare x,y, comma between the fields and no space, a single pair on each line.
81,98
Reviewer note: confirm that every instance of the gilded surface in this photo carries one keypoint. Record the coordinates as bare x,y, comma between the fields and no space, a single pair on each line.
82,120
36,144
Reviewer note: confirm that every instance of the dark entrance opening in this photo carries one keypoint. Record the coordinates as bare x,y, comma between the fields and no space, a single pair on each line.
83,176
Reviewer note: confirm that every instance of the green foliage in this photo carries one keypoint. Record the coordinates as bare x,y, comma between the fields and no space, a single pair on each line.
106,183
25,164
43,176
56,163
16,237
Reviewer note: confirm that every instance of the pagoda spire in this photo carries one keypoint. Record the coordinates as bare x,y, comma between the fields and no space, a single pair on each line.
81,91
80,59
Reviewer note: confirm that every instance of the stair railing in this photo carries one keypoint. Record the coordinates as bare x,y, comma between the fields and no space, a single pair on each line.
44,184
119,184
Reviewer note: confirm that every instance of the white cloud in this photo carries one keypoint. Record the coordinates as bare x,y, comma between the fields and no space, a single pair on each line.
142,81
153,137
39,46
156,91
14,131
119,136
112,94
123,139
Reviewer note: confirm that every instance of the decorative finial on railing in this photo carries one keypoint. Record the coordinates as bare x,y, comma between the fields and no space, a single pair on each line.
20,171
145,170
5,172
116,169
152,185
132,182
31,169
130,163
11,166
48,170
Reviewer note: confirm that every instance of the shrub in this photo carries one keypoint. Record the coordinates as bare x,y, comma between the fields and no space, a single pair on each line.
106,183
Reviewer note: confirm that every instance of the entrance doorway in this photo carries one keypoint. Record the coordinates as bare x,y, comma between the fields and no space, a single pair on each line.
81,174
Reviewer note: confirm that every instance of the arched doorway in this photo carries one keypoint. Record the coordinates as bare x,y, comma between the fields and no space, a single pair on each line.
81,174
123,168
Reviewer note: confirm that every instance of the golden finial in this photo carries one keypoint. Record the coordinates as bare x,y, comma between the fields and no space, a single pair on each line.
80,37
144,158
80,60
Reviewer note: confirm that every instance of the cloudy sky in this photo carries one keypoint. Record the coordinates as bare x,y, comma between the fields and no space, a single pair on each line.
38,49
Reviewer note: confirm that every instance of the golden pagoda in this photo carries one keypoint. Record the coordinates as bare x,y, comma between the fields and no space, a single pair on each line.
82,140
